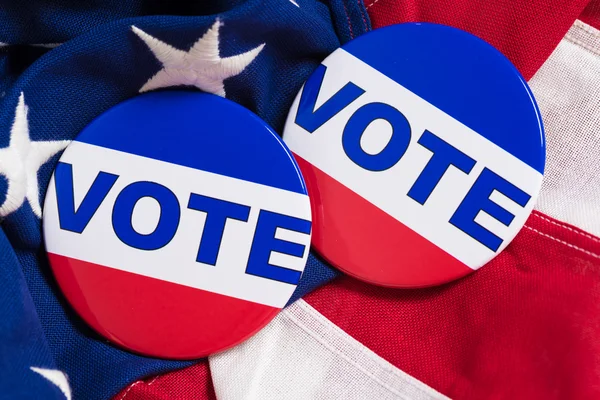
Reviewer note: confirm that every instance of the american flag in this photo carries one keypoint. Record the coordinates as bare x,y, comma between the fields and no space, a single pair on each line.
524,326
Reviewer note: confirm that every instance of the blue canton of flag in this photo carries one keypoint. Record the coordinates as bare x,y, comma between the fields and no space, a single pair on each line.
60,67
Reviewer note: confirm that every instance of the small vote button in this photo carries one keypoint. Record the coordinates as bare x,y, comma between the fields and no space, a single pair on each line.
177,224
423,152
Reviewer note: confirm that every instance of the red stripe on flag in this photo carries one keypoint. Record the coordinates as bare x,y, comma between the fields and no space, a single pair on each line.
591,14
189,383
372,238
526,31
524,326
139,312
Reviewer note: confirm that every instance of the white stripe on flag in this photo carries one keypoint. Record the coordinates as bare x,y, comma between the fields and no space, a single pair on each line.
302,355
567,89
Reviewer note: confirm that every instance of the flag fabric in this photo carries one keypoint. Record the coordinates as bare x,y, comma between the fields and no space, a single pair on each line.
524,326
63,65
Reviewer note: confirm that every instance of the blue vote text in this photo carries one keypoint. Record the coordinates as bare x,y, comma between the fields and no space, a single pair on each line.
217,211
443,156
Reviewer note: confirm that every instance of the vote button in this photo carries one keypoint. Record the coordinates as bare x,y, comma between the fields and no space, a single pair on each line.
423,151
177,224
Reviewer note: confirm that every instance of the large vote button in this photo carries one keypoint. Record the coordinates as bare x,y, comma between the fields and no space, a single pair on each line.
423,152
177,224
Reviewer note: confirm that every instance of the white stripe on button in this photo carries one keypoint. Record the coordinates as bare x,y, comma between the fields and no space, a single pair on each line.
176,262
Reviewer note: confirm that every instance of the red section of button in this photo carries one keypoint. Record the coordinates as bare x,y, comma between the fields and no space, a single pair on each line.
363,241
155,317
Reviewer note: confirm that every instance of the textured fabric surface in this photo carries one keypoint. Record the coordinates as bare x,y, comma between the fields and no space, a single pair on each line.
591,14
103,62
526,31
42,22
21,333
302,355
191,383
567,92
524,326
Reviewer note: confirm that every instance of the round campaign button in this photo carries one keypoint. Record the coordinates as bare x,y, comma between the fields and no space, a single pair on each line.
177,224
423,152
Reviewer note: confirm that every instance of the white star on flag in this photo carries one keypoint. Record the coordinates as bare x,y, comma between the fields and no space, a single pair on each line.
20,161
57,378
201,66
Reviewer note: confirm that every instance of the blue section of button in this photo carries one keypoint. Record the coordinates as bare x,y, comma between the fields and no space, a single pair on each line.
463,76
200,131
